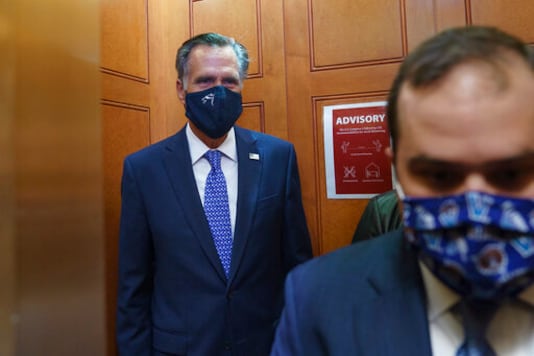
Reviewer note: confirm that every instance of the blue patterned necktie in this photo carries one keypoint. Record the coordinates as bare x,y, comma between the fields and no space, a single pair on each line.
217,209
476,316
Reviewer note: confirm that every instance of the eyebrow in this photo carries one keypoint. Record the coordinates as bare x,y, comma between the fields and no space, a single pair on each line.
202,78
524,159
229,77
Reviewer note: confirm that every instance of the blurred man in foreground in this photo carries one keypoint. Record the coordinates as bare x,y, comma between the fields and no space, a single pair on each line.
458,278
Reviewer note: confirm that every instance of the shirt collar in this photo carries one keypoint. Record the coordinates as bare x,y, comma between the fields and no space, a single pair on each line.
441,298
198,148
527,295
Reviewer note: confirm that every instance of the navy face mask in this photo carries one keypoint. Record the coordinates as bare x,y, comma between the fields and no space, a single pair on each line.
214,111
481,245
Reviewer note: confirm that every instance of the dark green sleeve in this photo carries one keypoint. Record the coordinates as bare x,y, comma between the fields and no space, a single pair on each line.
369,224
381,215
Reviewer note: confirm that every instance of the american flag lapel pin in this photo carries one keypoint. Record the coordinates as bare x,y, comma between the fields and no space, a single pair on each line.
254,156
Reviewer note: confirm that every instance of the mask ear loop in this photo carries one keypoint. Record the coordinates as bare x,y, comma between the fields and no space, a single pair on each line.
400,193
398,187
396,184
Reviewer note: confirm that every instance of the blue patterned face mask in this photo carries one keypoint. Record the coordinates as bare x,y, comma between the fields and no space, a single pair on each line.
480,245
214,111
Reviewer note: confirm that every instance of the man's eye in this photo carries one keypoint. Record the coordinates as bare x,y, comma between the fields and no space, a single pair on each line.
441,179
510,178
230,83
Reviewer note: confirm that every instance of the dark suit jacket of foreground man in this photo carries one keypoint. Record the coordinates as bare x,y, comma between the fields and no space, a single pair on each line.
174,297
380,310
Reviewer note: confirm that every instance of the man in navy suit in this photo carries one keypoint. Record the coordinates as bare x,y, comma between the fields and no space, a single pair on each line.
178,293
457,277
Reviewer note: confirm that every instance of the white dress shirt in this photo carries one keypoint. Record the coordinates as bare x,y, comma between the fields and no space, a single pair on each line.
201,167
510,333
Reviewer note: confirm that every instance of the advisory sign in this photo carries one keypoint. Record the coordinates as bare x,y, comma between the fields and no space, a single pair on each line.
355,137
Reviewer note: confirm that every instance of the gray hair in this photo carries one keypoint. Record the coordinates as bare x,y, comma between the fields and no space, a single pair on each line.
213,40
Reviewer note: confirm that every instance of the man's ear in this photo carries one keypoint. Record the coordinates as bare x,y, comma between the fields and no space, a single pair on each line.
389,153
180,91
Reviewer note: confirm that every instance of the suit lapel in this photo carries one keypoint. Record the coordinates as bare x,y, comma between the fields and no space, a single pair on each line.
178,164
249,168
400,310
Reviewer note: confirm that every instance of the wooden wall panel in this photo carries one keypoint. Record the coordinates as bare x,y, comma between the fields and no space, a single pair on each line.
119,89
244,25
126,129
125,120
368,31
124,38
253,117
139,102
514,16
425,18
449,13
300,111
367,79
168,29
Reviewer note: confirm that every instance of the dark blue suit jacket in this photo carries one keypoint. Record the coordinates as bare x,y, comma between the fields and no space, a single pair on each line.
173,294
365,299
